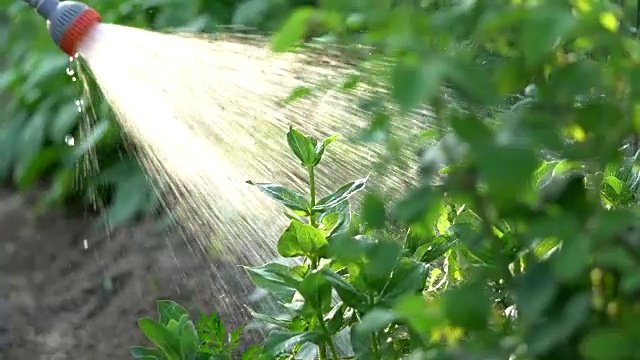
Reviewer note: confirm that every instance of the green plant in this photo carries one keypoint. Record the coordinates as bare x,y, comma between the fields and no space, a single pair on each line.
368,272
536,200
176,337
40,116
522,237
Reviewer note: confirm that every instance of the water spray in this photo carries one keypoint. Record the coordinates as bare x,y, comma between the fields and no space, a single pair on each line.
68,22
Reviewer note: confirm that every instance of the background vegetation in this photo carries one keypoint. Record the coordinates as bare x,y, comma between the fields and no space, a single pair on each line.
40,112
523,238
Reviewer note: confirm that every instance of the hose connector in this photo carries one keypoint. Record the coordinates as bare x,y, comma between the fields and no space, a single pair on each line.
68,22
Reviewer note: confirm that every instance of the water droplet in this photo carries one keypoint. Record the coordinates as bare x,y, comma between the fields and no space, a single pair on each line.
69,140
86,244
70,71
73,78
70,58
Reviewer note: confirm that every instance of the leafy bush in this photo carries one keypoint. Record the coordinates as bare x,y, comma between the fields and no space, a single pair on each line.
40,116
176,337
522,238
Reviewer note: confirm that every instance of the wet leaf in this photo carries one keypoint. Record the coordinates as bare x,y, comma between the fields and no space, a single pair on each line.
348,293
170,310
342,194
321,147
287,197
293,30
408,277
279,341
161,337
373,211
415,81
301,240
278,279
143,353
302,146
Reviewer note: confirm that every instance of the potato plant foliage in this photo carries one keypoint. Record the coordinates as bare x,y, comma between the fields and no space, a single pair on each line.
521,241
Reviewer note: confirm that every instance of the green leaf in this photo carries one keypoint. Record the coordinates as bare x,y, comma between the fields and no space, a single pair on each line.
373,211
287,197
89,143
161,337
316,291
408,277
433,250
417,204
143,353
337,220
293,30
301,240
335,318
415,81
321,147
422,316
615,191
610,344
170,310
472,130
536,291
64,122
382,258
376,319
543,28
362,344
276,278
302,146
560,328
342,194
507,185
468,307
27,175
280,341
349,250
284,323
348,293
189,341
465,77
298,93
132,196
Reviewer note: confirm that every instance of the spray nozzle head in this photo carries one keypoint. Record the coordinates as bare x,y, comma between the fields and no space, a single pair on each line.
69,22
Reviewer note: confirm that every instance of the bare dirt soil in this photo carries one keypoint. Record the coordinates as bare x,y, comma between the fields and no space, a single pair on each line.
62,301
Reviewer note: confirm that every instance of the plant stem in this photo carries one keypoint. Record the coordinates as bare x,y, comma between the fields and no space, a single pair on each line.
376,345
374,335
322,351
332,347
312,194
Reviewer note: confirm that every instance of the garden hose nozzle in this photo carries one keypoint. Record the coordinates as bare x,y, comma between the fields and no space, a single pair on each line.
69,22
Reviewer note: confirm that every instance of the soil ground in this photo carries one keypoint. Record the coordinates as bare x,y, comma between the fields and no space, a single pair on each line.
62,301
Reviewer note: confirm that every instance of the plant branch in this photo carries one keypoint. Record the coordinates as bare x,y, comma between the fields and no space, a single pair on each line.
312,194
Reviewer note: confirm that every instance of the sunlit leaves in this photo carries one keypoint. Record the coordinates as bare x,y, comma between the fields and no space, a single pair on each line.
342,194
544,27
287,197
306,148
293,30
415,81
301,240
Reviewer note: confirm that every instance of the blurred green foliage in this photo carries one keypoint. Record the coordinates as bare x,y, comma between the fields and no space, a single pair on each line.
527,215
39,113
524,231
